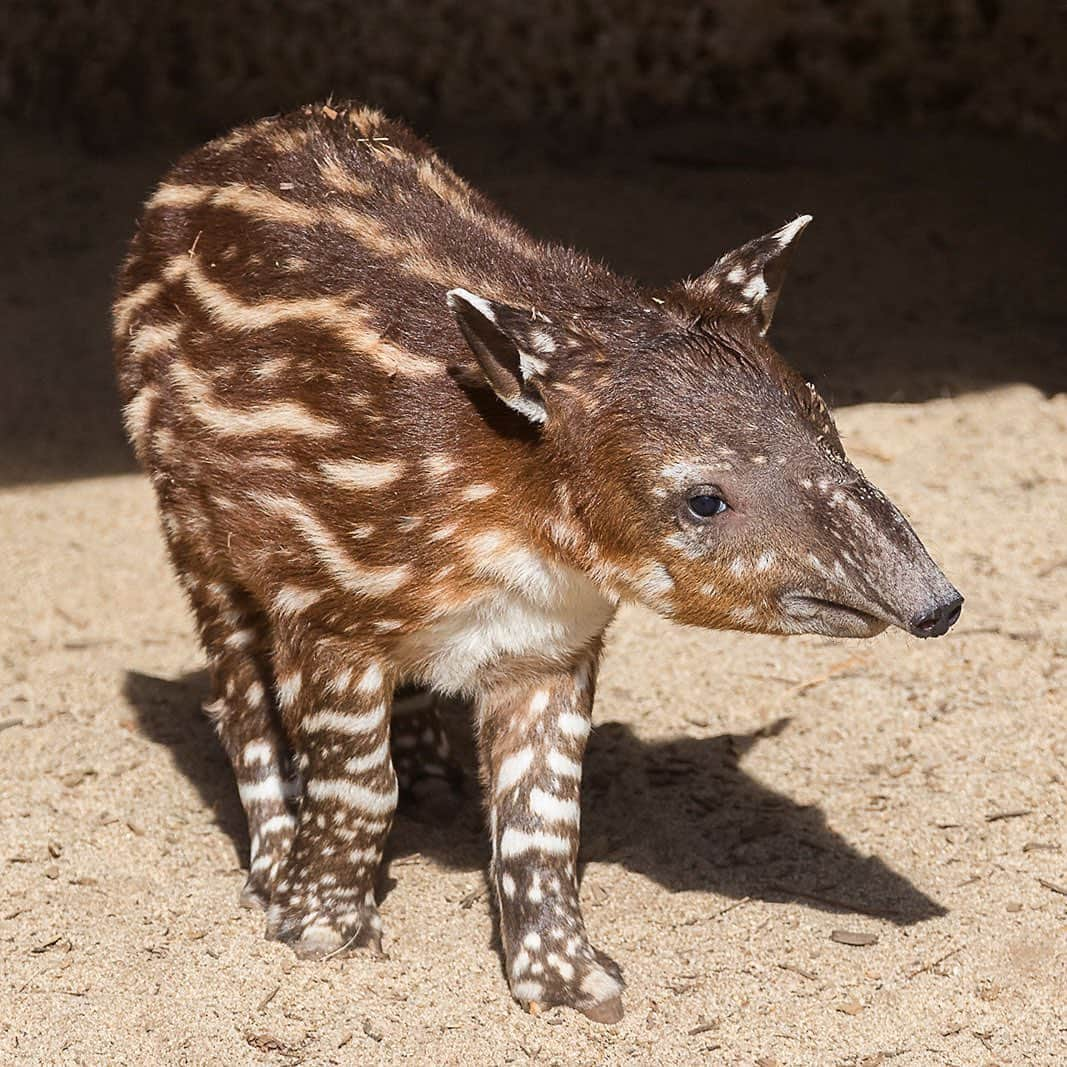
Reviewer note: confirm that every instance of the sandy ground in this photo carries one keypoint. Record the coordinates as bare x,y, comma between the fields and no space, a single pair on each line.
746,796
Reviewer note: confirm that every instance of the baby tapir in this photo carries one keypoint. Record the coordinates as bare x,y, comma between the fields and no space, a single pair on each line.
403,451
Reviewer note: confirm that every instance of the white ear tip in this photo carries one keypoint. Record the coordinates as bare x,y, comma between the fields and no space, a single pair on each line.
791,229
457,296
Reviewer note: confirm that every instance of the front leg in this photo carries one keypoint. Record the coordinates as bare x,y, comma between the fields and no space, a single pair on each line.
532,739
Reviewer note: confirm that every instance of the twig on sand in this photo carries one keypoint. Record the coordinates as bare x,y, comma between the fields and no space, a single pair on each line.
1054,886
996,816
730,907
262,1005
343,947
930,966
811,683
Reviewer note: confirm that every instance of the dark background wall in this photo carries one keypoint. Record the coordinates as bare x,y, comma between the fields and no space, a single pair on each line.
120,71
926,137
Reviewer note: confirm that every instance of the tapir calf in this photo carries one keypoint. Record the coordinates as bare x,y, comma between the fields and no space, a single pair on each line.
404,451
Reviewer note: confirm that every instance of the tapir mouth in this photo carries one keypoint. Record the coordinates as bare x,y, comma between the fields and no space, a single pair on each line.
832,618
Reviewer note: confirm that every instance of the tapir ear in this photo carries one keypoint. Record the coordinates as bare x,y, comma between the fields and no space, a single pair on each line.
510,345
747,281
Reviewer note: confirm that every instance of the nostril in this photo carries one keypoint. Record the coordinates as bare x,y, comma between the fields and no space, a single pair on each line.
939,620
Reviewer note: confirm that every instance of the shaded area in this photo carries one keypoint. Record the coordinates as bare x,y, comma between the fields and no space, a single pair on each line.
170,713
682,812
929,270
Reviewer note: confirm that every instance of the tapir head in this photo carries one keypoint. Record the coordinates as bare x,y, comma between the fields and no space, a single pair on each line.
696,472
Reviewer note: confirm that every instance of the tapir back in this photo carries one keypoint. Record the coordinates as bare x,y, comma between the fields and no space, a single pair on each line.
289,367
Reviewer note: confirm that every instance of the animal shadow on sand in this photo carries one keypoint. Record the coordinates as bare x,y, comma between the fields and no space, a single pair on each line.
682,812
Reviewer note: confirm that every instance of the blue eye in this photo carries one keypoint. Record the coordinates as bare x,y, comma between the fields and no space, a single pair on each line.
705,505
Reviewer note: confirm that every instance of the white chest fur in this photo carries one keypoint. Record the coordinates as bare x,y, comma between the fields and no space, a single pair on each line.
534,609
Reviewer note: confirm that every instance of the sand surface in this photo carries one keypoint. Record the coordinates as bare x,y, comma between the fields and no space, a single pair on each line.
745,796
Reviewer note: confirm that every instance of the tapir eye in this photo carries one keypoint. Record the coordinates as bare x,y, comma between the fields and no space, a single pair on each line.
705,503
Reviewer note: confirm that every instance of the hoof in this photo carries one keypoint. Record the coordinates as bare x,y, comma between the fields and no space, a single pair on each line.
605,1011
254,895
317,936
594,987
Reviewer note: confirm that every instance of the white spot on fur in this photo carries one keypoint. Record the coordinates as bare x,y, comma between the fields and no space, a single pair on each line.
371,761
478,491
258,752
528,991
240,639
552,808
353,795
517,842
655,580
513,768
438,464
340,722
288,689
270,788
362,473
542,343
563,765
539,702
573,724
372,680
277,824
755,290
340,682
136,415
444,532
534,894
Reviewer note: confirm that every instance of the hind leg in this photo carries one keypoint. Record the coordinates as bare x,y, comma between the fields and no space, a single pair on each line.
419,742
236,638
335,705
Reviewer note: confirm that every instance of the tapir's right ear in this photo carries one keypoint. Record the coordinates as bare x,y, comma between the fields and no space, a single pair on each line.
510,345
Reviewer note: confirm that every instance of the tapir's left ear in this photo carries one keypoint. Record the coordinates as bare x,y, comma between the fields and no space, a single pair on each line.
747,281
513,348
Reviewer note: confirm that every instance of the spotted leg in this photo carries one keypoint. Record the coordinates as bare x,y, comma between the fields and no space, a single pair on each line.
532,741
419,743
335,705
234,634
